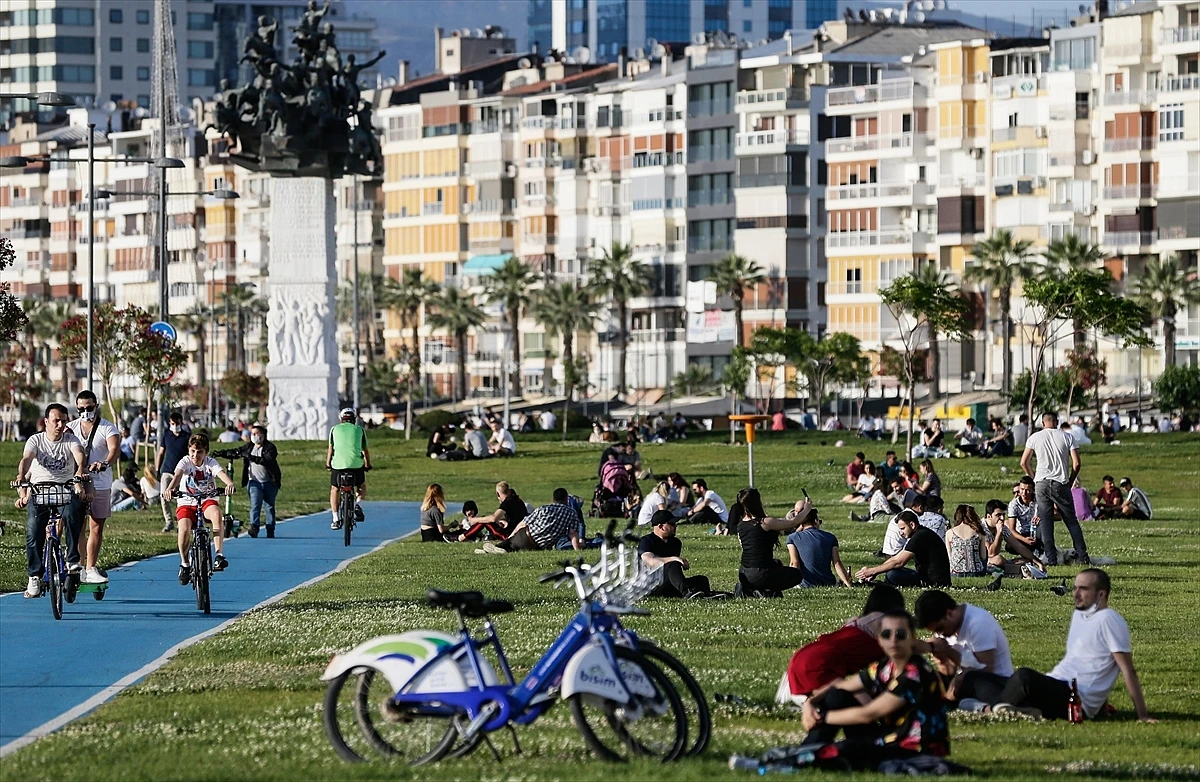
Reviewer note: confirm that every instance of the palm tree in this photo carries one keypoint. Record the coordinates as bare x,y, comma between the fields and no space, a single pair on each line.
929,274
619,277
1066,255
242,303
733,274
509,286
406,297
457,313
692,380
565,309
32,307
1001,261
1164,288
196,322
49,317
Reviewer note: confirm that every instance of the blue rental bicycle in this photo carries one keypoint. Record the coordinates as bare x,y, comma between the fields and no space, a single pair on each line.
56,580
422,695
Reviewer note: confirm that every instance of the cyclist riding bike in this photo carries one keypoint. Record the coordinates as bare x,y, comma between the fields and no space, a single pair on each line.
198,474
53,455
347,455
105,441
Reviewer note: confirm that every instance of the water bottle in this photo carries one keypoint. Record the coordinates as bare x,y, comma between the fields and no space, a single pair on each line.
743,763
1074,705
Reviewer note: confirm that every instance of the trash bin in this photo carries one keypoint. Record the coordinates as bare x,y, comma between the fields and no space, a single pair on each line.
979,411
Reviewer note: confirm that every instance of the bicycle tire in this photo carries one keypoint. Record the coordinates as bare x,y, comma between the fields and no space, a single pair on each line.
201,570
430,743
53,566
691,688
627,746
347,513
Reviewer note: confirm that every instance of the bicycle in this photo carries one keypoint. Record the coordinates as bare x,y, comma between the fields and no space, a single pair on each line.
56,580
436,689
200,551
347,503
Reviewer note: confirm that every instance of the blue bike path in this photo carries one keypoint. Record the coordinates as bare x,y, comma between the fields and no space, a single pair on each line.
52,672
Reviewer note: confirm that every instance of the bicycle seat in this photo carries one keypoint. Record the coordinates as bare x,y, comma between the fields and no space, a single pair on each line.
472,603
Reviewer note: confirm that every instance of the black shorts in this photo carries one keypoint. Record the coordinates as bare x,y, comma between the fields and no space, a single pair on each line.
358,476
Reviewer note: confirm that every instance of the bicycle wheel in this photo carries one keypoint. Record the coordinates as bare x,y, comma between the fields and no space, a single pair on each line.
201,571
659,730
695,704
403,734
54,568
347,516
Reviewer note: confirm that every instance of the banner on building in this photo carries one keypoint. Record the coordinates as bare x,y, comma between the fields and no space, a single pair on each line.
710,326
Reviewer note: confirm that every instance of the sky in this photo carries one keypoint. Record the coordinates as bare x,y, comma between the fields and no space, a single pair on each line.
406,26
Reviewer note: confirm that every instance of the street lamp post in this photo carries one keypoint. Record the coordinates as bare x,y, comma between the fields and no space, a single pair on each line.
354,381
91,296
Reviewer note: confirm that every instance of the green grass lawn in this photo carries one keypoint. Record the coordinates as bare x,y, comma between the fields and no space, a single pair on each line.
245,704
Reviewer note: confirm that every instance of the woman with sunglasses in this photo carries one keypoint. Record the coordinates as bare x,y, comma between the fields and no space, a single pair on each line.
894,708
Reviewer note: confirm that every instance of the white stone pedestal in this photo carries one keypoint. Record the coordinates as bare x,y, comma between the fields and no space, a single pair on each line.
301,326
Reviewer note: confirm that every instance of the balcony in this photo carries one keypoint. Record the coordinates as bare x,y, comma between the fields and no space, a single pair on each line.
1130,98
1143,190
1122,239
540,201
890,235
1175,84
710,197
1019,85
892,89
490,206
402,134
772,100
959,132
553,123
867,143
765,138
436,208
1185,34
540,239
714,153
871,190
484,168
1126,49
644,204
34,201
641,336
710,107
962,180
1126,144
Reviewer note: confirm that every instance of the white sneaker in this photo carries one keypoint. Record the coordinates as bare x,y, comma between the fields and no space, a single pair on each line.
491,548
335,524
1025,711
93,575
35,587
74,567
1033,571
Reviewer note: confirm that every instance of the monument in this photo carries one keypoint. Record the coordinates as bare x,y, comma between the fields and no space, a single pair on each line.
305,123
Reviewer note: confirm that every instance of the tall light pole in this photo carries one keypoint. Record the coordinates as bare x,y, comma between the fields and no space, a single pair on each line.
354,382
91,295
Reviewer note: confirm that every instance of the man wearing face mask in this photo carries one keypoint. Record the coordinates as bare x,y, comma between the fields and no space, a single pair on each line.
173,448
105,440
260,475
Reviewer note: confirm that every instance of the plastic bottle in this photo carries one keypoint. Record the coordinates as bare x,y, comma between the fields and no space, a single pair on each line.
743,763
1074,705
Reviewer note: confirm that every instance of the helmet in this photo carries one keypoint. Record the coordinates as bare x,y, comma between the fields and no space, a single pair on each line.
348,412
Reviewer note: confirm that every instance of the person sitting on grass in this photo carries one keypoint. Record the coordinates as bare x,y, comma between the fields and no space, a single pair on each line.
861,492
905,711
969,438
1000,536
511,512
890,469
923,547
880,506
984,661
932,440
709,508
1098,648
1000,443
931,482
615,477
854,469
433,515
127,491
758,533
680,496
658,499
1021,511
966,545
543,529
931,514
1109,499
661,548
502,443
1136,504
814,552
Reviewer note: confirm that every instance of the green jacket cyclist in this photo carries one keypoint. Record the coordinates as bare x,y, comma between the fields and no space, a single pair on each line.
347,455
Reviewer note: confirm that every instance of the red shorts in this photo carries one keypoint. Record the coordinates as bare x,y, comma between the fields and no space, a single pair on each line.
189,511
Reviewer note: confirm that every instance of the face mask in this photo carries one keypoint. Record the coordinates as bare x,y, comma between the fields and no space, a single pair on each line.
88,414
1090,611
176,428
256,439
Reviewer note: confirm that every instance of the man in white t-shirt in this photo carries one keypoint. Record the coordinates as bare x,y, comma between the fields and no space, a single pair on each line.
1098,647
709,507
105,451
984,662
547,420
1055,449
502,442
53,455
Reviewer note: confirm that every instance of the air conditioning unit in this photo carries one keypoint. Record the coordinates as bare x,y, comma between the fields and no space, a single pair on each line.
1090,210
1039,132
977,153
980,77
1089,157
510,170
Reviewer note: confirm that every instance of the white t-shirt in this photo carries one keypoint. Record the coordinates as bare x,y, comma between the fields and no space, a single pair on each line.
1138,499
103,480
717,504
1091,643
1023,514
651,505
504,439
864,483
1080,434
971,436
197,479
52,459
935,522
547,420
893,540
1052,447
1020,433
980,632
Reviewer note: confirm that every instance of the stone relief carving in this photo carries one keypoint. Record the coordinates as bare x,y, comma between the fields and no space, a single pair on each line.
297,319
298,413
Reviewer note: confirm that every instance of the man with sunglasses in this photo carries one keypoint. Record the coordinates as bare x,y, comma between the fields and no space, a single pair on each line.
105,450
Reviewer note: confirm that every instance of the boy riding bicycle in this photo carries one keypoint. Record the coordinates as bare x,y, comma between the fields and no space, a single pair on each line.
198,474
347,455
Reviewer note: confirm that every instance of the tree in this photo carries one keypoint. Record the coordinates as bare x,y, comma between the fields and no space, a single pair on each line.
733,274
692,380
457,313
1164,288
930,275
565,310
1177,389
380,383
510,287
112,328
734,378
1050,391
150,356
1066,255
1001,261
32,309
619,277
245,389
372,295
50,319
406,297
12,319
834,358
1084,296
1084,370
921,306
242,304
196,322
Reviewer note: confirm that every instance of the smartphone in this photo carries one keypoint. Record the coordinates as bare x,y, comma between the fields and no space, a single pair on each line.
805,492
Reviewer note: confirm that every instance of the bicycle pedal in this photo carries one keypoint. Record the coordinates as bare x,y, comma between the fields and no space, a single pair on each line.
393,713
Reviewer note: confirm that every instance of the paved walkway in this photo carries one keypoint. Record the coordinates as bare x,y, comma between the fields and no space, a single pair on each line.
147,616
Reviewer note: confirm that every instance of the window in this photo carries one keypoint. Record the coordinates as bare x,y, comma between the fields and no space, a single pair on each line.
115,16
143,45
747,26
69,44
143,100
116,44
577,26
73,17
143,73
116,97
143,17
199,21
200,50
76,73
854,280
201,77
116,72
747,3
1170,122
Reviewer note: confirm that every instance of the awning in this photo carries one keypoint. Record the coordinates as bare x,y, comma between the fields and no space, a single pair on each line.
484,264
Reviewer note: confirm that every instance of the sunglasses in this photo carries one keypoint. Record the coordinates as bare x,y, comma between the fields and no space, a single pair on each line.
85,409
901,635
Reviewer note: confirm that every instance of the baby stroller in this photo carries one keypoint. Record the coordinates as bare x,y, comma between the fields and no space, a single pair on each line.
611,499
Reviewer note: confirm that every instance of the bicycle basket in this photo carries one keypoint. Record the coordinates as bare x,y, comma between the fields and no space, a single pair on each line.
53,495
634,589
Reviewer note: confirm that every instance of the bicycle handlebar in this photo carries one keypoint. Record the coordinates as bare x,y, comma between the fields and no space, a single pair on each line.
42,484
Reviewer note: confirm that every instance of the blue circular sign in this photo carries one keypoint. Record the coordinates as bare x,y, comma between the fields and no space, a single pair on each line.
164,328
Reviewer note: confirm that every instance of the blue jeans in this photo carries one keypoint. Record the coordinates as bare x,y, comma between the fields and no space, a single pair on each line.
36,519
129,503
260,494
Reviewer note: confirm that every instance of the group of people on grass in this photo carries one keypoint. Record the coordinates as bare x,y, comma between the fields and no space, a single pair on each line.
474,445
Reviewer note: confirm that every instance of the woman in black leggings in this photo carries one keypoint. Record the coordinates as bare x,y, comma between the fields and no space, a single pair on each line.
759,533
